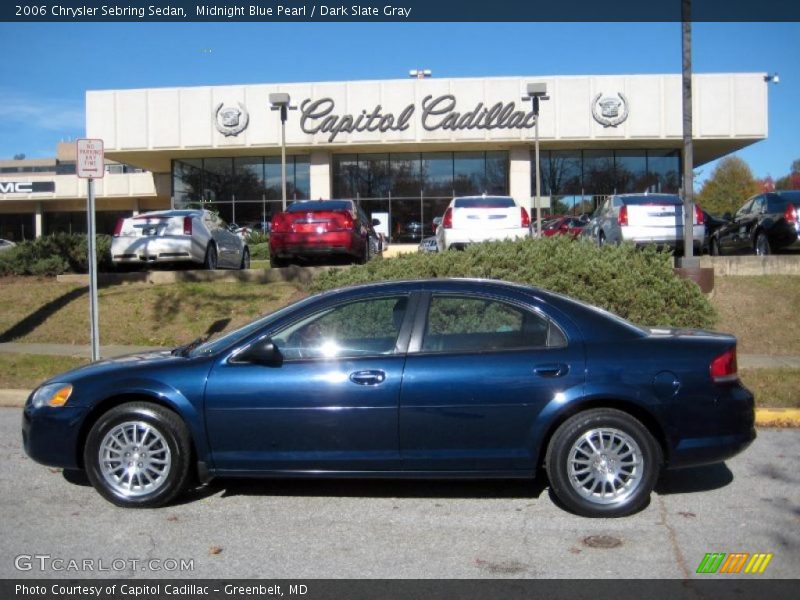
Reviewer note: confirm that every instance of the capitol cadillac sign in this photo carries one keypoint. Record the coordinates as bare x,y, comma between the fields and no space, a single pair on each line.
435,113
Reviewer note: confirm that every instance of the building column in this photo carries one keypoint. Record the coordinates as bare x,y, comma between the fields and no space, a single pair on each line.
135,207
519,175
320,175
37,220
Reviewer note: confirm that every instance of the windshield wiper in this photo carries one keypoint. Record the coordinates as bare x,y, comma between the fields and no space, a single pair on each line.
186,348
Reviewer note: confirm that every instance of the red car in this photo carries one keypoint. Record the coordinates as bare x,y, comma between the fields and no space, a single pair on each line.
316,228
563,226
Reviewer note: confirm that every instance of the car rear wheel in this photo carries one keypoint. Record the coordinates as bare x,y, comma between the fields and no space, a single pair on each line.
278,263
601,239
137,455
762,244
365,256
603,463
245,259
714,247
210,262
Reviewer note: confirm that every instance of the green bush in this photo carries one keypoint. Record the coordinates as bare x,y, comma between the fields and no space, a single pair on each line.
637,284
259,251
257,237
55,254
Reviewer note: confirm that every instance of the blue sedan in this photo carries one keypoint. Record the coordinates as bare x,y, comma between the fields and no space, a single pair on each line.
438,378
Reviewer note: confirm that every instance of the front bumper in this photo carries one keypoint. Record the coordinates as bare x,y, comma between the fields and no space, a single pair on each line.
50,435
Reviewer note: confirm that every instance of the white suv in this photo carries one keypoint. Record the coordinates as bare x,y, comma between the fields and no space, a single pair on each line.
473,219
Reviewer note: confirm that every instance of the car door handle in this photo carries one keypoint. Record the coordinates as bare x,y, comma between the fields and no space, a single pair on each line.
551,370
368,377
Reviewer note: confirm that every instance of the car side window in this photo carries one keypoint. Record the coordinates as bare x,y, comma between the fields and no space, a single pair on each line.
745,209
460,324
364,328
758,205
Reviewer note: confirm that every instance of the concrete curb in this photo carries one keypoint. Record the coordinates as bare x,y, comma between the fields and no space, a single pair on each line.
765,417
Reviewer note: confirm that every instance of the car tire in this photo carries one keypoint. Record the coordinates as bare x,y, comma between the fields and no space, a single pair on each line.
601,239
577,458
761,247
245,259
210,262
276,262
365,256
164,468
714,251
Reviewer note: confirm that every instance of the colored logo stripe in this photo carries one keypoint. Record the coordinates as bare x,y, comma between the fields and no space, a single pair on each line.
758,563
734,563
711,562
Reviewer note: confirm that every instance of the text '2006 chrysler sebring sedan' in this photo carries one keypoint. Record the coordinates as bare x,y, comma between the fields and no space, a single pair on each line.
435,378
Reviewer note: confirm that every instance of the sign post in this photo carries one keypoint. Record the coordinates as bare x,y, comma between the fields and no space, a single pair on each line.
91,166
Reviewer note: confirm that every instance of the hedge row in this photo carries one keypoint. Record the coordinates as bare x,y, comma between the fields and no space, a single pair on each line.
55,254
637,284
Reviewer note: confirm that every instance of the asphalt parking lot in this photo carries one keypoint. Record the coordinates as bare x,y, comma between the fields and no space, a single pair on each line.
381,529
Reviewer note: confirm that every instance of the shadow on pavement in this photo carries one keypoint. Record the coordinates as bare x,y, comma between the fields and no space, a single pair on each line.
694,479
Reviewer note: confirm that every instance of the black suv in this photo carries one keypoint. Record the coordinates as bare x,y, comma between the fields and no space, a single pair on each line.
766,223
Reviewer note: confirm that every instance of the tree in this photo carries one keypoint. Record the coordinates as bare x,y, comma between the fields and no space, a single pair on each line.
730,184
792,180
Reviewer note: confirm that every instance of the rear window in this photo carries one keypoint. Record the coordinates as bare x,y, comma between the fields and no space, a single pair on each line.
320,205
487,202
651,199
793,197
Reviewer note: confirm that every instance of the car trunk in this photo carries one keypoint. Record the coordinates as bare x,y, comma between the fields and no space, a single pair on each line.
487,218
154,225
313,222
656,214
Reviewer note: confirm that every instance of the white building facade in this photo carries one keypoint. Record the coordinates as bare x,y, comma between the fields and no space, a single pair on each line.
404,148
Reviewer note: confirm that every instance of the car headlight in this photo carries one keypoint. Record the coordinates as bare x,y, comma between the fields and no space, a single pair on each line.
52,394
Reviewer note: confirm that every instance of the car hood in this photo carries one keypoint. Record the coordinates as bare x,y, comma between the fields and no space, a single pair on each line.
127,363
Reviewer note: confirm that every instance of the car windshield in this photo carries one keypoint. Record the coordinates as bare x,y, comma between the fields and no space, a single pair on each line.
488,202
320,205
220,342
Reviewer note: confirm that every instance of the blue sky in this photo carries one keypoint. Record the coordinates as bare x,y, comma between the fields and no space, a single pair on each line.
47,67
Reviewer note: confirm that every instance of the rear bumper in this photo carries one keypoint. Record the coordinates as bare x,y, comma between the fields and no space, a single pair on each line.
714,430
156,250
295,244
673,238
462,237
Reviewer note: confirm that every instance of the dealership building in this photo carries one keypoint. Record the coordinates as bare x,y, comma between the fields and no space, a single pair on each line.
401,148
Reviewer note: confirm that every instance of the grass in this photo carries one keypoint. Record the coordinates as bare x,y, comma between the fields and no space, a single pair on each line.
45,311
26,371
762,312
773,388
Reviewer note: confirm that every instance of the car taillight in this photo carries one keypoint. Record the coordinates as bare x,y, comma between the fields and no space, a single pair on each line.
345,219
526,220
447,219
187,225
723,368
623,216
118,227
791,213
699,217
280,223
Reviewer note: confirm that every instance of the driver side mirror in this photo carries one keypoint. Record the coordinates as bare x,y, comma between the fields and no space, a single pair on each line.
376,222
263,352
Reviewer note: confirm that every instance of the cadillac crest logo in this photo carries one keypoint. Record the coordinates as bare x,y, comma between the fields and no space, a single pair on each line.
231,120
608,110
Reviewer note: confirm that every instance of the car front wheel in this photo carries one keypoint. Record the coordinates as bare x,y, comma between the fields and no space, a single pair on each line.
137,455
603,463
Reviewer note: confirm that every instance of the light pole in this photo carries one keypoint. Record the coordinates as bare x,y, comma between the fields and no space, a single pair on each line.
536,93
280,101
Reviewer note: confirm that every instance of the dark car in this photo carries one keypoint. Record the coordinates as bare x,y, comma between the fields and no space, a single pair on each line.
765,224
711,223
322,228
418,379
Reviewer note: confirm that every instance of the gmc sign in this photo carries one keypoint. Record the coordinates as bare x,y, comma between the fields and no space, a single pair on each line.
26,187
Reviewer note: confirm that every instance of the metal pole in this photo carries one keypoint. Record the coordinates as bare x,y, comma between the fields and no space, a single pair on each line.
283,154
538,174
688,151
92,247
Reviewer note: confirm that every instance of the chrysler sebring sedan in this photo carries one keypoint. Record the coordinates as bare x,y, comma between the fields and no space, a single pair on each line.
435,378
